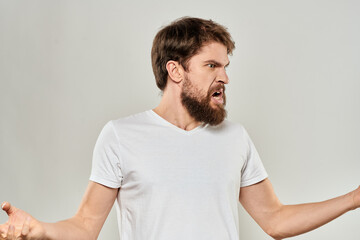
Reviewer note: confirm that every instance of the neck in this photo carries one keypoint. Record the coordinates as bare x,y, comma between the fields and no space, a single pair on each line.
172,110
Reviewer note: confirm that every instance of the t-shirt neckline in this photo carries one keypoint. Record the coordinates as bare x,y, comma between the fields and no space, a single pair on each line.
169,124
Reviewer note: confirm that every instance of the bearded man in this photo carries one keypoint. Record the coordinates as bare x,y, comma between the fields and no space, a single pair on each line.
178,171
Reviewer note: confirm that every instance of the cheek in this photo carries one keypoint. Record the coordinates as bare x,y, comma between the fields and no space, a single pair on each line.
202,80
206,79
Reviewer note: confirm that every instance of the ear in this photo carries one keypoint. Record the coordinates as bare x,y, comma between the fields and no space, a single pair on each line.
175,71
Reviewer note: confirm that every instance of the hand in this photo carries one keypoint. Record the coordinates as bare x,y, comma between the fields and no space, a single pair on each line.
20,225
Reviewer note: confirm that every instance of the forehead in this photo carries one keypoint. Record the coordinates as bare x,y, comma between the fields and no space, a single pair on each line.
212,51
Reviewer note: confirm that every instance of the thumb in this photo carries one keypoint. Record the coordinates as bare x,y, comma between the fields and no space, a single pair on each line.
6,206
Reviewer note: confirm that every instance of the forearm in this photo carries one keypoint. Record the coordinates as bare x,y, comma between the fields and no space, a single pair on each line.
292,220
73,228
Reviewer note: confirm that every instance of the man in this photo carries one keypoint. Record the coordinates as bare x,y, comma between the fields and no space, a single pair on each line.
179,170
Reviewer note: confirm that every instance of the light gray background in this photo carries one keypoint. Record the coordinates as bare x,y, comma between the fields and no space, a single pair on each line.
67,67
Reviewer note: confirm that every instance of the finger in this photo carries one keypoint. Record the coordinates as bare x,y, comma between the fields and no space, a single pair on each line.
6,206
3,232
26,227
11,232
3,205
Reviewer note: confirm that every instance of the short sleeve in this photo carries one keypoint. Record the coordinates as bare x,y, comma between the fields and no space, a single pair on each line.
253,170
106,164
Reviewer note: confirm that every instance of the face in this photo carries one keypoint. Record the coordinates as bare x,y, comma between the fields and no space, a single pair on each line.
203,89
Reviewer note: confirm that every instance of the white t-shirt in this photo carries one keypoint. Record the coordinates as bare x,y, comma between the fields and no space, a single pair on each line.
175,184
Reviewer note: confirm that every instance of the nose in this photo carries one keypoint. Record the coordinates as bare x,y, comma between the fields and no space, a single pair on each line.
223,77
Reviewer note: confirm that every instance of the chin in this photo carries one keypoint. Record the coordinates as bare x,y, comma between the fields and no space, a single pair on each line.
216,106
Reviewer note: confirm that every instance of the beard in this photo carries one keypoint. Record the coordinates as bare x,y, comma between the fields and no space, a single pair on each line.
199,106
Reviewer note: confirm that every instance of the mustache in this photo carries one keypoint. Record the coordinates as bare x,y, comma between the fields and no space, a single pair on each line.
217,88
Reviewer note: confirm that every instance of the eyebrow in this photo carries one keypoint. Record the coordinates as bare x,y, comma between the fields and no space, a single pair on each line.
216,62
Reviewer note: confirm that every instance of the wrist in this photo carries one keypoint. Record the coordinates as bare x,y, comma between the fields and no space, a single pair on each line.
351,203
355,198
46,231
353,206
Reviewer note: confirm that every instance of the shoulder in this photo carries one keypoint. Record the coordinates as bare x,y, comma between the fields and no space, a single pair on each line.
136,119
133,125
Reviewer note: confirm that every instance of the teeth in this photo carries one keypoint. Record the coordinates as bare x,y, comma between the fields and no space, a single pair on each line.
217,93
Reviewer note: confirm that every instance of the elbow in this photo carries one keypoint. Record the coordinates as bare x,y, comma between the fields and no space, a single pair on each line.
275,227
275,231
274,234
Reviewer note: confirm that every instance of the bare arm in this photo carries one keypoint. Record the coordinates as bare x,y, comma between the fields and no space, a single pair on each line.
85,224
282,221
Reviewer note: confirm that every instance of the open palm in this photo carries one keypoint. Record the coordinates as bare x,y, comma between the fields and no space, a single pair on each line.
20,225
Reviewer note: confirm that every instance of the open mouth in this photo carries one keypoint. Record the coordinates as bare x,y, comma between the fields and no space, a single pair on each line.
217,96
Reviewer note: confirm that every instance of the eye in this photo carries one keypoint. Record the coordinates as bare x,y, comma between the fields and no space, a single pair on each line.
211,65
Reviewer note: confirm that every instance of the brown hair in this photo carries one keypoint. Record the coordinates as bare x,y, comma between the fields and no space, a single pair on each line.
183,39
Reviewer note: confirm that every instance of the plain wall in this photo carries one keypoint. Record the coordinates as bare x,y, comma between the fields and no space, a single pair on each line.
67,67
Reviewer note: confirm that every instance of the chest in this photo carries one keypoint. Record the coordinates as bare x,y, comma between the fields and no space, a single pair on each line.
187,164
